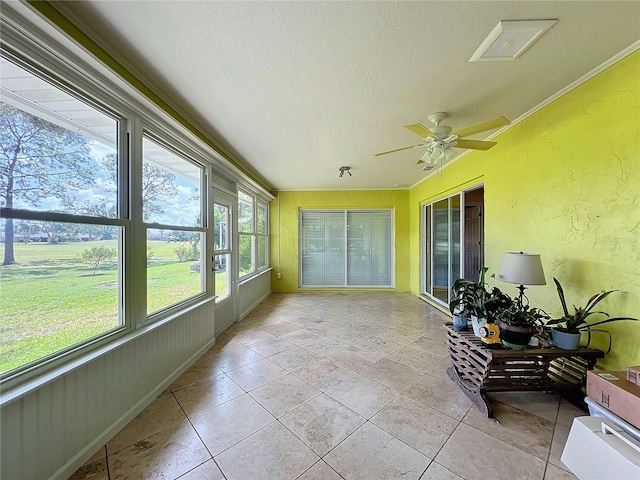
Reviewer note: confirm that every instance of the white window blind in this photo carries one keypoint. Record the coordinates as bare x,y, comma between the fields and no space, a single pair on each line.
346,248
369,254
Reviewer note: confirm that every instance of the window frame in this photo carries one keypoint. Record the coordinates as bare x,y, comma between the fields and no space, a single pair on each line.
254,235
173,146
428,212
58,74
68,68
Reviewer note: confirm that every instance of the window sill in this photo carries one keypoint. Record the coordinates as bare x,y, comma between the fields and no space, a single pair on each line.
255,275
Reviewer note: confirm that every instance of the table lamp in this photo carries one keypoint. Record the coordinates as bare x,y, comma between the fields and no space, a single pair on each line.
521,269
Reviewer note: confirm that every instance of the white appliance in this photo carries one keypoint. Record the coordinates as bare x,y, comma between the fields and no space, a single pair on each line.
597,449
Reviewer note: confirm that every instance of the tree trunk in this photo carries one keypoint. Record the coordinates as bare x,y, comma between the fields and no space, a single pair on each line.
9,258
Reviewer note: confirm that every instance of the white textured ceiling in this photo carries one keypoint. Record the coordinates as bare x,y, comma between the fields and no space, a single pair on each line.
297,89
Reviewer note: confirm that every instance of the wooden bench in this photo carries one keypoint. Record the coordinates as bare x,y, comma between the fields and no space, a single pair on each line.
478,369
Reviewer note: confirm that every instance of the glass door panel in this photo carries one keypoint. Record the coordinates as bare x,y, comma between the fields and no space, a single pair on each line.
455,261
440,256
443,247
222,248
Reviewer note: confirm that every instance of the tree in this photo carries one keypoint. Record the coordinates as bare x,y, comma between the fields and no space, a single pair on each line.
158,185
98,255
38,160
104,209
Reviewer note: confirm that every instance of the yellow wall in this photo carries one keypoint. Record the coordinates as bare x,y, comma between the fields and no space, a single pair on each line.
565,183
284,228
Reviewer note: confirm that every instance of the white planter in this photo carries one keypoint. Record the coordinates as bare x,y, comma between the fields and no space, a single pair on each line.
564,340
476,323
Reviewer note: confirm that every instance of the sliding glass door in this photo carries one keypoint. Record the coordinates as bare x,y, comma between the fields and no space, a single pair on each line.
443,234
346,248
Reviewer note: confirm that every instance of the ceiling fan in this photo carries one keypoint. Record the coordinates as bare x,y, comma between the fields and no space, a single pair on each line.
439,140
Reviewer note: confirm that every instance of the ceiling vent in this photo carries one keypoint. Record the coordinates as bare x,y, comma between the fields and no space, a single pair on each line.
510,39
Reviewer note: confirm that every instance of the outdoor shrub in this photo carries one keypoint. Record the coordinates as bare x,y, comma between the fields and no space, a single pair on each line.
188,251
98,255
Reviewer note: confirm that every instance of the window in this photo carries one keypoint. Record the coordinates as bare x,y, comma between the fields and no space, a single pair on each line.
246,234
262,235
95,189
62,231
172,211
346,248
253,234
222,249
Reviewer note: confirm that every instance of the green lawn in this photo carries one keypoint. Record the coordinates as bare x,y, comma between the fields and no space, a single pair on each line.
51,300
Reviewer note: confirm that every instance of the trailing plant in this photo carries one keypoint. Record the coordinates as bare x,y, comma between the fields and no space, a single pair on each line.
495,303
523,315
576,321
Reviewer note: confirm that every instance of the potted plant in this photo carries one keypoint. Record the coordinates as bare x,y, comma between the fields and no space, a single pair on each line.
519,322
566,330
467,301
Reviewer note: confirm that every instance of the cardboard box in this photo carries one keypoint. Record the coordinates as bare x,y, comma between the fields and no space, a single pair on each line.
613,391
633,374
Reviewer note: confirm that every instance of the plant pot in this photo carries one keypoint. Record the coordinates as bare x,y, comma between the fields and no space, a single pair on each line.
476,323
515,336
460,322
565,340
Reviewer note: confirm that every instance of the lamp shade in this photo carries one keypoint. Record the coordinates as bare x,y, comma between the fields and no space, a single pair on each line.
521,268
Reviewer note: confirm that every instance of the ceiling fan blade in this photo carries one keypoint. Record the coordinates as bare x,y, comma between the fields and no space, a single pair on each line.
397,150
474,144
421,130
484,126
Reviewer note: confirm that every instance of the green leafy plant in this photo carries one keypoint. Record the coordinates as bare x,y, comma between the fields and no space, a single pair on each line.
495,303
576,321
468,297
523,315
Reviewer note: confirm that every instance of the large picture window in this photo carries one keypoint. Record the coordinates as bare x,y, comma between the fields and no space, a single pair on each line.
61,230
172,211
346,248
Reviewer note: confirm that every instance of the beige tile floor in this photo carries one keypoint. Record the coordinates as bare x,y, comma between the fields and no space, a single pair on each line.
324,386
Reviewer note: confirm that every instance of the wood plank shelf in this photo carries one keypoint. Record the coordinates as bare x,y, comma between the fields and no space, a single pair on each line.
478,369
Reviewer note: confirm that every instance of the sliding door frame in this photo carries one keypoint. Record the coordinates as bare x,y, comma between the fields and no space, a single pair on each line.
428,270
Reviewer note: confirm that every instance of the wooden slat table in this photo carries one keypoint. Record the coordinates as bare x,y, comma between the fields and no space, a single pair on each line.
478,369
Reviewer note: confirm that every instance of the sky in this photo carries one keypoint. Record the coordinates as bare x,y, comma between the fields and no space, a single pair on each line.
181,210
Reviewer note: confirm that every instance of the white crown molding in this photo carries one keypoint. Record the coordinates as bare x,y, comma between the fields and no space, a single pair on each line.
576,83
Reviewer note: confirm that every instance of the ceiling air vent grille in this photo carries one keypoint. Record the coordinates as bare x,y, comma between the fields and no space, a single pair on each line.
510,39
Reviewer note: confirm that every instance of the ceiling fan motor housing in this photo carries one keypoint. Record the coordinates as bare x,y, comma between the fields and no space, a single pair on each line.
441,131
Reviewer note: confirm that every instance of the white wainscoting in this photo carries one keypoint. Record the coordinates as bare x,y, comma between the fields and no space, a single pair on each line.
253,291
51,431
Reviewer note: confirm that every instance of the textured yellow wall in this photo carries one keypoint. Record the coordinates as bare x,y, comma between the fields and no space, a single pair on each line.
284,228
565,183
